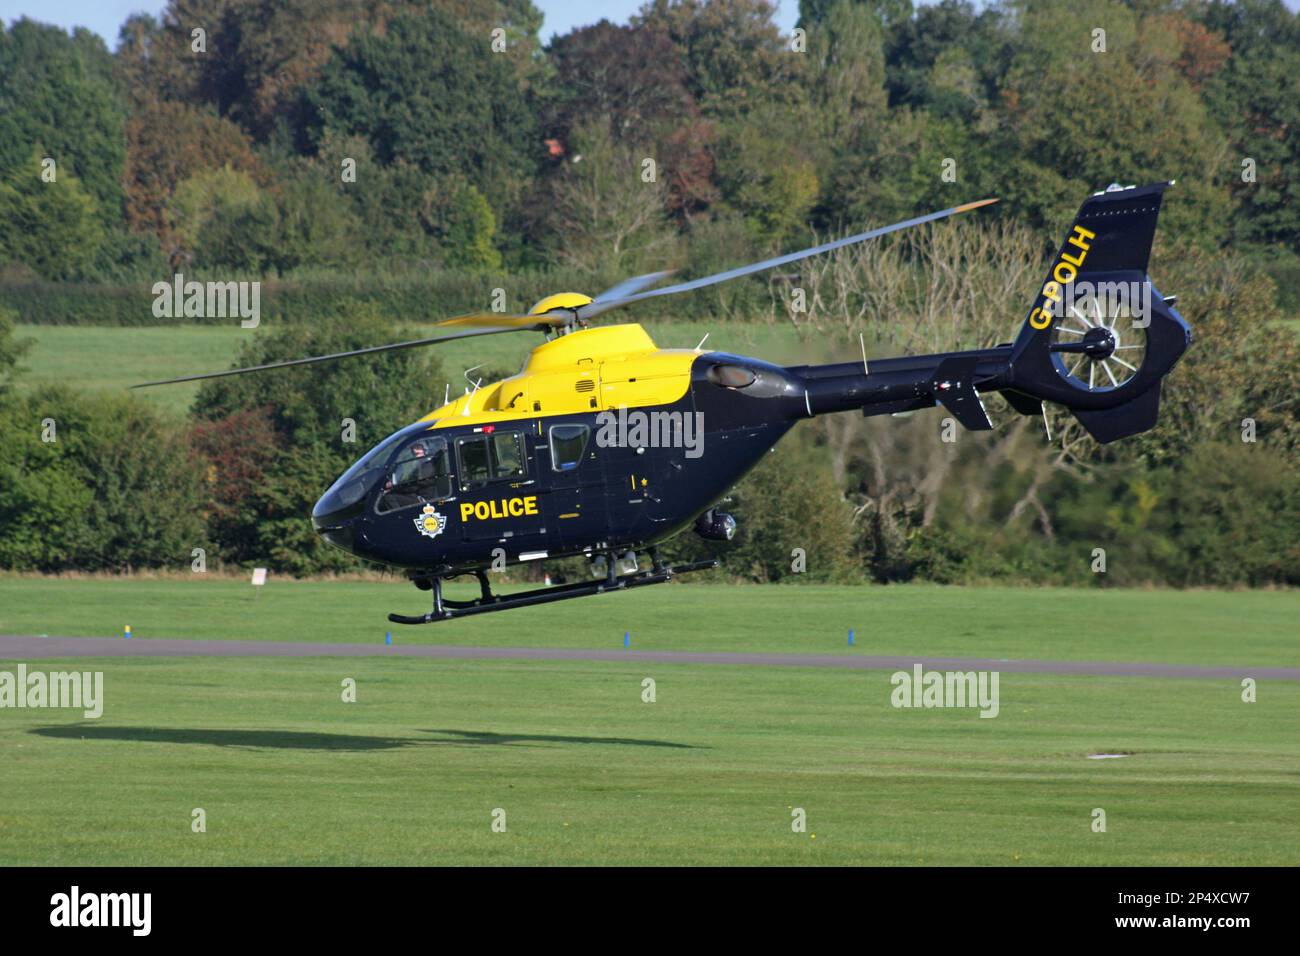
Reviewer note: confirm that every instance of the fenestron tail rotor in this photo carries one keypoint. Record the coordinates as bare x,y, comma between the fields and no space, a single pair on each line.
1097,351
560,313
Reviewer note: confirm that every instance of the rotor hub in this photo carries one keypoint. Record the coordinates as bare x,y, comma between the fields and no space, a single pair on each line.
1099,343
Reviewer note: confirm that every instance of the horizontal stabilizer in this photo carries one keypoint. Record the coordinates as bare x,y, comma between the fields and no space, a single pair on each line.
953,386
1112,424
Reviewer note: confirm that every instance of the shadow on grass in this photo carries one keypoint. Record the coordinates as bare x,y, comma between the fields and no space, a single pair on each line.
487,738
273,739
299,740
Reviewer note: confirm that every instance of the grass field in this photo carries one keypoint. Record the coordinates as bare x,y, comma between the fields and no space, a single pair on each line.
111,359
585,771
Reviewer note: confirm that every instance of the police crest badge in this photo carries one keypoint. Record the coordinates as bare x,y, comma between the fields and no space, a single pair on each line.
430,523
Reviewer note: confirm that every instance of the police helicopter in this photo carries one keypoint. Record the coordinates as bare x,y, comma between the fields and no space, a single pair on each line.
605,445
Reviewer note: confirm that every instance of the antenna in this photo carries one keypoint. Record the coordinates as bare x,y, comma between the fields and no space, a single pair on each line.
703,340
475,382
446,394
863,342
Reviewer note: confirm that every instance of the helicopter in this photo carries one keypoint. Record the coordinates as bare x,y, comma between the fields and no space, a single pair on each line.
605,445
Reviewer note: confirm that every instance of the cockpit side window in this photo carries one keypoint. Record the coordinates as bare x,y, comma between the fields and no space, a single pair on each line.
508,460
366,472
568,442
498,456
421,474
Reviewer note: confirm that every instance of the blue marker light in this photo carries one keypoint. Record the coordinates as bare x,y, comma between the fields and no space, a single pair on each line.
850,637
388,637
627,639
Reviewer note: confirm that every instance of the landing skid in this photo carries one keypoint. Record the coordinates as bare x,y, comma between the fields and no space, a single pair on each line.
445,609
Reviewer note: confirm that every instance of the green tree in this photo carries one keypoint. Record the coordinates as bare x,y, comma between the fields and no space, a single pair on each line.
312,226
1256,97
767,175
210,215
42,501
916,46
849,125
56,92
12,350
846,76
257,57
455,213
53,227
603,211
1093,118
387,200
633,78
117,488
1227,514
1241,363
884,12
430,94
169,143
736,58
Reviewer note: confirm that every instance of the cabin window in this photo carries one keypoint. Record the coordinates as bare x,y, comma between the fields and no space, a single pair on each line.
421,473
568,442
498,456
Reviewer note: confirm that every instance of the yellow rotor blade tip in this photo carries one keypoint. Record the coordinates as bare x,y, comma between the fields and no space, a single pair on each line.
975,205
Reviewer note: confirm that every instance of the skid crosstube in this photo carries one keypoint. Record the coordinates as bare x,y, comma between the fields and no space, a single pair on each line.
560,592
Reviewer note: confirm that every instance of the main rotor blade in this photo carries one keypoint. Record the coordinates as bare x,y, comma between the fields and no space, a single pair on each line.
479,323
603,304
628,286
503,322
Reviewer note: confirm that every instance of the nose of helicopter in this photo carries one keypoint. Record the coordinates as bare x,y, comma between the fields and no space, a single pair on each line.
335,521
339,515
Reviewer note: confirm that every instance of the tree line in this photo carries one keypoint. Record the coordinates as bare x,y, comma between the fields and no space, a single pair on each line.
263,136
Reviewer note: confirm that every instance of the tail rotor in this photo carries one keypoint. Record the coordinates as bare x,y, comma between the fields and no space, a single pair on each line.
1099,338
1098,351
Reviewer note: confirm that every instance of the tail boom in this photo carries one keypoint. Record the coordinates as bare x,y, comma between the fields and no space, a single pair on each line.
1107,249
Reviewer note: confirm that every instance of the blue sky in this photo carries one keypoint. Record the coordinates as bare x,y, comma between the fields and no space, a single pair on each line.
105,16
